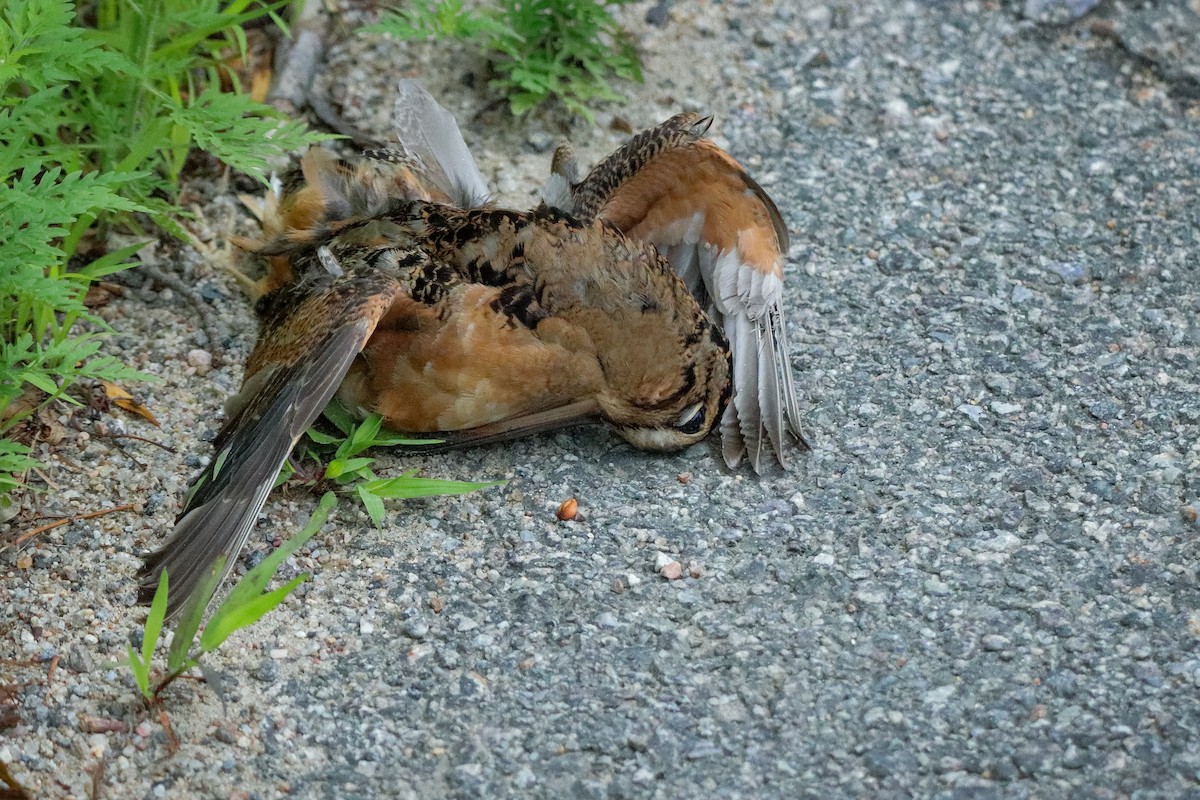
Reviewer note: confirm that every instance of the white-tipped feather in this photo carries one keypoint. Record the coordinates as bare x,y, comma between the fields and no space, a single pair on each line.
769,400
733,447
744,345
748,304
783,366
428,133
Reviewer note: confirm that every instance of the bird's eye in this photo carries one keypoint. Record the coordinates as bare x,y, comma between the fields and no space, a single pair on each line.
692,419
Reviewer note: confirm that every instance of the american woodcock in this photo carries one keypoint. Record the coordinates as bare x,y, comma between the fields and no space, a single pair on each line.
723,234
479,322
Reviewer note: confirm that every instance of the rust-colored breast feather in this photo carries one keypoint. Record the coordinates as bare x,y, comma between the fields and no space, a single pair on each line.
460,364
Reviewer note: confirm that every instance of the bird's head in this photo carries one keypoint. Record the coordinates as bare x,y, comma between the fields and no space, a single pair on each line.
676,400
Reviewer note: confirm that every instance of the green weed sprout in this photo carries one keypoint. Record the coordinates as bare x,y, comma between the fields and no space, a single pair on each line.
540,49
346,470
244,606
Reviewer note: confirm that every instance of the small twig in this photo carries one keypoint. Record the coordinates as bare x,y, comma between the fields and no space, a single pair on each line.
97,780
25,537
25,662
15,790
177,675
172,739
50,672
166,447
45,478
103,725
295,65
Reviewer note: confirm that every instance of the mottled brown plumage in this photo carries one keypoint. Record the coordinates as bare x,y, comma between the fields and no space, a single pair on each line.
721,231
484,322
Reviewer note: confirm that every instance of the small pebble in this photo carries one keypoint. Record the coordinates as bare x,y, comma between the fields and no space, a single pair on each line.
1067,272
416,628
540,141
995,642
936,587
896,112
200,359
972,411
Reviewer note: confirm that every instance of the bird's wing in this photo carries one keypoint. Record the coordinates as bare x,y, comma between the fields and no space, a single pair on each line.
296,368
428,133
726,239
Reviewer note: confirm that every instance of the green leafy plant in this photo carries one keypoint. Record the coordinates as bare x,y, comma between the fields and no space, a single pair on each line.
245,605
566,49
347,471
96,121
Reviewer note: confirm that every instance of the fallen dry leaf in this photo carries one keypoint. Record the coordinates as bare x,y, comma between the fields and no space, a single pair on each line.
99,294
124,400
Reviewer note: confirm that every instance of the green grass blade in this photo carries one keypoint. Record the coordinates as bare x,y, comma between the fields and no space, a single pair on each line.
141,672
193,612
391,439
226,622
252,584
407,488
346,466
154,620
362,437
373,503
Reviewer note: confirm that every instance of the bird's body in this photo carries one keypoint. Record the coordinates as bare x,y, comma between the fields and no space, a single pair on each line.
505,314
392,286
482,324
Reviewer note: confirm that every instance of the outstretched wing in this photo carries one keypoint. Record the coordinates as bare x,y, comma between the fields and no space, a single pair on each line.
296,368
429,134
727,240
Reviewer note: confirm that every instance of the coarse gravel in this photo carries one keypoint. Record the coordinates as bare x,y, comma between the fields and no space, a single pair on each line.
982,581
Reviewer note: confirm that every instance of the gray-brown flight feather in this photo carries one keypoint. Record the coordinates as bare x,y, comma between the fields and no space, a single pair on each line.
282,400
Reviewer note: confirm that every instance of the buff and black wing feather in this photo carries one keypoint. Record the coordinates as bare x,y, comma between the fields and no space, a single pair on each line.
726,238
303,360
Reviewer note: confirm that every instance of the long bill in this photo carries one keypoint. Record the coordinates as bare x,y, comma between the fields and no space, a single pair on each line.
580,412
